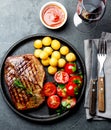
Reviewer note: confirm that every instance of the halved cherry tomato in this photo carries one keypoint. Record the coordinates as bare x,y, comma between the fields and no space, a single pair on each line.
61,77
61,90
49,89
68,102
70,68
76,79
72,89
53,101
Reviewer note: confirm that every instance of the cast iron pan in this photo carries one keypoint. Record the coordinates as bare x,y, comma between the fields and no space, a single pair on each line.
25,45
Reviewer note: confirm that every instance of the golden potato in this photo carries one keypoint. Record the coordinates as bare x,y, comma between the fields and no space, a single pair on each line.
43,55
64,50
61,62
56,54
52,70
53,61
38,44
37,53
48,50
70,57
45,62
46,41
55,44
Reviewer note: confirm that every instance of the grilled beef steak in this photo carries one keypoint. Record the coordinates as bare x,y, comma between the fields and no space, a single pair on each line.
24,76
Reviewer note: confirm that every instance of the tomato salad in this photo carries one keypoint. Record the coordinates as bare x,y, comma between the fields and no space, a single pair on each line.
62,94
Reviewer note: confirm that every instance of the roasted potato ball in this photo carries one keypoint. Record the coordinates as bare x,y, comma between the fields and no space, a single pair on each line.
46,41
70,57
43,55
61,62
52,70
55,44
38,44
53,61
48,50
37,53
64,50
56,54
45,62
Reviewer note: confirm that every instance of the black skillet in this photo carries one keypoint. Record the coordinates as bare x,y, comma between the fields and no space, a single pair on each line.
41,114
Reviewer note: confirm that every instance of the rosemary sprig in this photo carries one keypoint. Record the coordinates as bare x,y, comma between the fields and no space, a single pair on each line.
17,83
29,91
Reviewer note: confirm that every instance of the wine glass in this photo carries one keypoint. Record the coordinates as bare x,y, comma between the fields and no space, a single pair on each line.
88,13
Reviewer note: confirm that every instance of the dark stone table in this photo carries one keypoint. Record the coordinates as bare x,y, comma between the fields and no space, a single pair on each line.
19,18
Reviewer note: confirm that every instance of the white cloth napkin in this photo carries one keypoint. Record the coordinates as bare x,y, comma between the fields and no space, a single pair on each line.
107,70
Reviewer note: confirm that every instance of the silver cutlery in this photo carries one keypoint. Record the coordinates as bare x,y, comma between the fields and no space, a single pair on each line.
93,82
101,56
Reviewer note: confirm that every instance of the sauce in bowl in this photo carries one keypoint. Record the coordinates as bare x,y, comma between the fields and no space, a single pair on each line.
53,15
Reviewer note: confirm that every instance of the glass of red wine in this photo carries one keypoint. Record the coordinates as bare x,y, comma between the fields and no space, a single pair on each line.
88,13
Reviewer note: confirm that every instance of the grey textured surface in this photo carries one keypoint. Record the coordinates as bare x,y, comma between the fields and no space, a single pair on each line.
21,18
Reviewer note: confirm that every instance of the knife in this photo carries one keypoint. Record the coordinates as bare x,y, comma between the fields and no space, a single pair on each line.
93,82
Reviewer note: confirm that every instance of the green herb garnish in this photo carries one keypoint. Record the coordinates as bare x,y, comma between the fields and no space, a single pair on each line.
29,91
62,86
17,83
61,110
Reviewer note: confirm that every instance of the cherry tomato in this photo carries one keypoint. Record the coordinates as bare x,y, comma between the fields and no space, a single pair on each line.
61,77
76,79
61,90
49,89
53,101
70,68
68,102
72,89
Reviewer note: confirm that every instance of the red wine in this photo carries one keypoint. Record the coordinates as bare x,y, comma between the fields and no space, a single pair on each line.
91,10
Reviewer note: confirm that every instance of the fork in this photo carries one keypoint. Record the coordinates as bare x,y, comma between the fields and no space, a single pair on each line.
101,56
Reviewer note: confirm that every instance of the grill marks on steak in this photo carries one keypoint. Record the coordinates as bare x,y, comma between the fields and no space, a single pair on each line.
31,74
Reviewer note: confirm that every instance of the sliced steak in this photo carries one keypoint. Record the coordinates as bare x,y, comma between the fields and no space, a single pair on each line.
24,76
